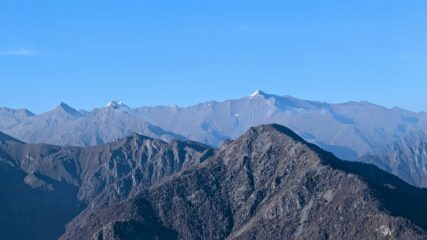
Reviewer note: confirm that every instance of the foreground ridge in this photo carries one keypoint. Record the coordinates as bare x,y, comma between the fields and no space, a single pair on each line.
267,184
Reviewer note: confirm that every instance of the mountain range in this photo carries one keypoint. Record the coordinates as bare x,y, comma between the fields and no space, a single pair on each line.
268,183
353,130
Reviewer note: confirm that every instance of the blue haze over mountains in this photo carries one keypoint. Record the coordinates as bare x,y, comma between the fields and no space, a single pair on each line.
393,139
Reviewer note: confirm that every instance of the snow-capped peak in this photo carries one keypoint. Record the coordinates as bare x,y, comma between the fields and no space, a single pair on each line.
117,104
257,93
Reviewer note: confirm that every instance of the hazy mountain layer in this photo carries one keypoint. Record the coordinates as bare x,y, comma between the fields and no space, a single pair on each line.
67,126
351,130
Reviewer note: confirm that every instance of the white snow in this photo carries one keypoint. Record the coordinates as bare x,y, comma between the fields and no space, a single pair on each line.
117,104
256,93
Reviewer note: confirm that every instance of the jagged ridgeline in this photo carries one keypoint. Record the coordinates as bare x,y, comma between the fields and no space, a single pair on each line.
267,184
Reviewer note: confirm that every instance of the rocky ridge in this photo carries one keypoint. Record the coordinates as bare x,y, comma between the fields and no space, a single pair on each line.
267,184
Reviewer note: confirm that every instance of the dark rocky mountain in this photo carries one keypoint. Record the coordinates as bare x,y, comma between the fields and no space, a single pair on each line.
45,186
267,184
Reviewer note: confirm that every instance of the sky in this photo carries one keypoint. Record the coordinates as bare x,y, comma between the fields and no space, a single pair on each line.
158,52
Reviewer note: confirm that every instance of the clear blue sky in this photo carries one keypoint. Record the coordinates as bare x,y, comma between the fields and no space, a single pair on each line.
156,52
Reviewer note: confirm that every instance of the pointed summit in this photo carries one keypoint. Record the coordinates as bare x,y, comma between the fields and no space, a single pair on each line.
259,93
65,108
117,104
256,93
25,112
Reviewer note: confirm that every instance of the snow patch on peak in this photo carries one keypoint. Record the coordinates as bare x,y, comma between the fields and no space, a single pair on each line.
117,104
259,93
256,93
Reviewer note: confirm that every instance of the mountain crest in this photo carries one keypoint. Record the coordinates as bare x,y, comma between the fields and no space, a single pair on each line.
22,112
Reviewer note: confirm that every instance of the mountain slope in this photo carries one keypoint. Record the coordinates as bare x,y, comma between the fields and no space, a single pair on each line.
6,138
267,184
32,206
406,158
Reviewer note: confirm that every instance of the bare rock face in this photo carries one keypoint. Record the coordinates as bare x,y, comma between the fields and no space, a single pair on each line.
267,184
115,171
